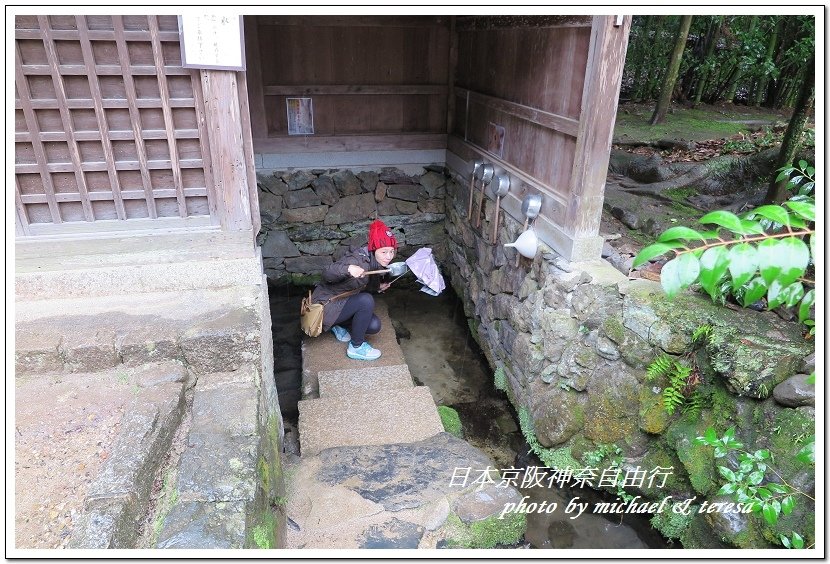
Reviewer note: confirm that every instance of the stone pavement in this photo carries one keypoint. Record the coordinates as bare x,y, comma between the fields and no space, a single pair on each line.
175,357
377,469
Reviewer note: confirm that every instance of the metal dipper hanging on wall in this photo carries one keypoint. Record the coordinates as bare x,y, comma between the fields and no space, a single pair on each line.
485,175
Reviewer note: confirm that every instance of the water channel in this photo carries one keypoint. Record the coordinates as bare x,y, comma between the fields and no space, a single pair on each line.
441,354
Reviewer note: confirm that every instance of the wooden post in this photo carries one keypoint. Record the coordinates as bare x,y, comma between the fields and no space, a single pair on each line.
224,127
453,66
253,78
600,95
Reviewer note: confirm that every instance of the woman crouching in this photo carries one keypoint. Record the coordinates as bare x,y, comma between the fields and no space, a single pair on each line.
352,318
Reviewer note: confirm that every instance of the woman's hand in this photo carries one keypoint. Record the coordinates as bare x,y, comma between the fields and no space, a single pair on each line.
355,271
384,286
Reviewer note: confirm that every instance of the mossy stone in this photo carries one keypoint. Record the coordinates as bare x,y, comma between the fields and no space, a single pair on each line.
487,533
697,460
451,421
653,416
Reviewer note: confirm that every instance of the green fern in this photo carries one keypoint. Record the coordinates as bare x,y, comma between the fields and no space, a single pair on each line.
702,333
662,366
695,404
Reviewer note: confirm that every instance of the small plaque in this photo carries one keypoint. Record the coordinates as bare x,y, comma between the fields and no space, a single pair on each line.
300,116
495,139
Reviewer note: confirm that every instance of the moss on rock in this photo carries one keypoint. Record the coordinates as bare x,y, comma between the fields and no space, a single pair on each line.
487,533
670,524
653,416
613,328
697,460
451,421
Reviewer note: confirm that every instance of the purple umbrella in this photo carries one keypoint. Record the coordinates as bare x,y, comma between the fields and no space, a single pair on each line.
423,266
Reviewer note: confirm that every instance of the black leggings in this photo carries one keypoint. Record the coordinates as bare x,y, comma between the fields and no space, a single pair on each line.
359,315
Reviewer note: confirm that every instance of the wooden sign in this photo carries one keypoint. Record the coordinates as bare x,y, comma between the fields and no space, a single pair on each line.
212,41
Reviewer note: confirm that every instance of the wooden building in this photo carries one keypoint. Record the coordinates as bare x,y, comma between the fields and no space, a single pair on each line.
114,135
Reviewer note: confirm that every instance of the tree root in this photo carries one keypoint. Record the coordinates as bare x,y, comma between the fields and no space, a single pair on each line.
701,171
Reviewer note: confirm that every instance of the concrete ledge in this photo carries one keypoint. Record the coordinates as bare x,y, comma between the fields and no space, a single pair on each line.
325,353
269,162
376,379
396,416
200,524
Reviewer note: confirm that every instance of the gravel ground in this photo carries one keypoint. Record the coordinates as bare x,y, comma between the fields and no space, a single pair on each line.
64,428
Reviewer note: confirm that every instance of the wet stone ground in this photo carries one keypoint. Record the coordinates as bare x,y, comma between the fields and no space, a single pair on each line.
441,354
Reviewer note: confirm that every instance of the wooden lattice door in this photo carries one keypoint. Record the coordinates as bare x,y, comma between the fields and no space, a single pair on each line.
109,128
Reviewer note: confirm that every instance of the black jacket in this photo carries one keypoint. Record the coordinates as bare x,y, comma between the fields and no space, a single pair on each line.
336,280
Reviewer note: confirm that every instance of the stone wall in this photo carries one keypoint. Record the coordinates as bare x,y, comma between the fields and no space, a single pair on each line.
310,217
570,344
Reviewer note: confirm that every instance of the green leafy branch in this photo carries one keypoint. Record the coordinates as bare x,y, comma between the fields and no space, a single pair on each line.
753,261
748,483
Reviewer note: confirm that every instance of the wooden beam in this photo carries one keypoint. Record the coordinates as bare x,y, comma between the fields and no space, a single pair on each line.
248,152
167,112
325,144
224,129
253,77
486,23
452,69
52,136
103,127
111,70
21,219
108,195
562,124
603,75
29,116
96,35
135,116
34,168
109,103
352,89
354,21
66,117
204,144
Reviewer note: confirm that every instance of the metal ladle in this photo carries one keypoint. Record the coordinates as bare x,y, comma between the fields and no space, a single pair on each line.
531,205
395,269
502,187
476,165
485,175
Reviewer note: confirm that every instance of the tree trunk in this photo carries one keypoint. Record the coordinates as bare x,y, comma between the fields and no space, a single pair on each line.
645,89
711,41
732,86
641,59
777,191
762,83
671,74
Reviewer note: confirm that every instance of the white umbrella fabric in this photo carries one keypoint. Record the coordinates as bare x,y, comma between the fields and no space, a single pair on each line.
423,266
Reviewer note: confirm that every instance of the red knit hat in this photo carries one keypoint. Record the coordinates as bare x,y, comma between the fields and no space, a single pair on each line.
380,236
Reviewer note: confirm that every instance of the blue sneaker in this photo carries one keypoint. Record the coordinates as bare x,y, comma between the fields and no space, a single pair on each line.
364,352
341,334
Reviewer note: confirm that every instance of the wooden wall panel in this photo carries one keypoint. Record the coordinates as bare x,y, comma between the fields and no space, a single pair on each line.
528,79
105,122
366,76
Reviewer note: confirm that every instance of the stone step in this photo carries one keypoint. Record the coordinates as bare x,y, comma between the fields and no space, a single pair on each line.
119,263
209,329
378,380
395,416
140,278
326,353
127,416
217,479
